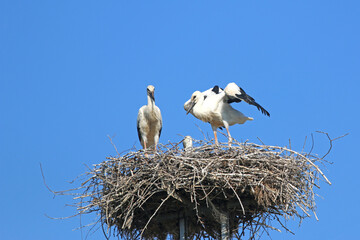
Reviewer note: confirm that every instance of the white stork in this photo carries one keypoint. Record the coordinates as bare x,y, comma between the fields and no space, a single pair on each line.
149,121
213,106
187,142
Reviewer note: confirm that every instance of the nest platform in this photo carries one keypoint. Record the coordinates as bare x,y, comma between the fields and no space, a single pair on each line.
143,196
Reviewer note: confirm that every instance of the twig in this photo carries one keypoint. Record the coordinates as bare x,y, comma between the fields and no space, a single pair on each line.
330,141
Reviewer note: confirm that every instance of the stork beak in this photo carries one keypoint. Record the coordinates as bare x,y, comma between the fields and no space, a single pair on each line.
151,94
192,104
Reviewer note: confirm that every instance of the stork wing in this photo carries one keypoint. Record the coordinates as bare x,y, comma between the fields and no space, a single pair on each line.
160,131
161,125
139,117
216,89
212,91
235,93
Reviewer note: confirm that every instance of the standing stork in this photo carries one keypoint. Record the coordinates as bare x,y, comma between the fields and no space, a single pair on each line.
213,106
149,121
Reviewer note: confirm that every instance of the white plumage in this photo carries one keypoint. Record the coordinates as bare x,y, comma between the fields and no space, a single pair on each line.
149,121
187,142
213,106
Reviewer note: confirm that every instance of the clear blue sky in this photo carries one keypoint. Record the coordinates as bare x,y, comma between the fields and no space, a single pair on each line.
73,72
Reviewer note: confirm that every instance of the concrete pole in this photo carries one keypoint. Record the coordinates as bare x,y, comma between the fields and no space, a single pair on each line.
182,228
225,231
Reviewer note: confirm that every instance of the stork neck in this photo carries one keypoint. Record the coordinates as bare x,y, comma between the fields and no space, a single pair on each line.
151,102
197,109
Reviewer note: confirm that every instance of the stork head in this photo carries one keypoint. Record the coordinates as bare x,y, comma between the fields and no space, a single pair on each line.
195,97
150,92
187,142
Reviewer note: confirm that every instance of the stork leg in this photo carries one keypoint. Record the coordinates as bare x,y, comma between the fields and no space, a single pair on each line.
229,136
215,135
146,155
156,140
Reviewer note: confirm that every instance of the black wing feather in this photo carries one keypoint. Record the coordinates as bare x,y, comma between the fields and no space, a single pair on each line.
231,99
247,98
160,129
138,130
216,89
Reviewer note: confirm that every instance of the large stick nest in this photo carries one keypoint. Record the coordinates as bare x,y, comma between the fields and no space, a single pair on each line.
144,195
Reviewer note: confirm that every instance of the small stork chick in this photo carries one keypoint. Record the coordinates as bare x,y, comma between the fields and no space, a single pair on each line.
187,143
149,121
